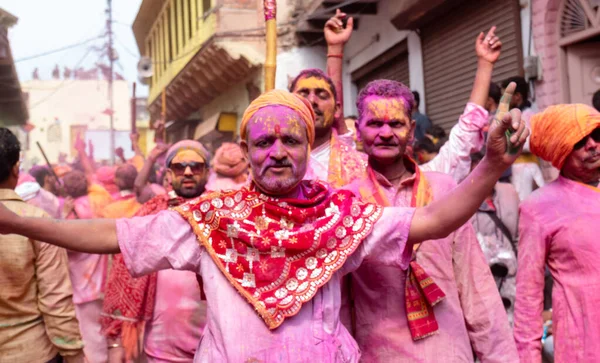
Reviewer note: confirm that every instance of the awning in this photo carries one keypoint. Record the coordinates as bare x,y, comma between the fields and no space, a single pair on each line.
216,67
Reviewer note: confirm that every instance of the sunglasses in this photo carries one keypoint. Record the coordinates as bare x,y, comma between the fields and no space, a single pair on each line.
595,135
180,168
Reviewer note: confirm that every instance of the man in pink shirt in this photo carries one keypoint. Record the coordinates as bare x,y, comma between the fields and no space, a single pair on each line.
163,310
446,304
272,255
557,229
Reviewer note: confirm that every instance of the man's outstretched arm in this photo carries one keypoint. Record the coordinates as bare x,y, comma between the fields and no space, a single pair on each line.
447,214
91,235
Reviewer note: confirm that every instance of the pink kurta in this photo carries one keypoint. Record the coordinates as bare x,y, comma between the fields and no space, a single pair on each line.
470,318
234,331
88,274
179,316
88,271
558,227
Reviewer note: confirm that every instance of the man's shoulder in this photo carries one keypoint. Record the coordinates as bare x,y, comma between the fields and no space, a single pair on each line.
549,194
24,209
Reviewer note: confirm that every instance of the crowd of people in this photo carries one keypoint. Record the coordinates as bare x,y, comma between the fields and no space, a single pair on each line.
315,237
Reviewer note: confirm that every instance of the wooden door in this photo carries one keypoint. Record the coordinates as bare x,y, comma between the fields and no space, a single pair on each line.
583,63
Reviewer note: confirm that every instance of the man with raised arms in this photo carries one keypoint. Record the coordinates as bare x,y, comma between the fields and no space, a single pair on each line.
282,244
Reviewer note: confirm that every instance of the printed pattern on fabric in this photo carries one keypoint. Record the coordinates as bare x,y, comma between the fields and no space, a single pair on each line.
278,252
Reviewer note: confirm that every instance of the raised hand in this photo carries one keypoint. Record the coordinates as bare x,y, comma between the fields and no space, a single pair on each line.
159,150
120,153
508,132
335,32
488,47
79,144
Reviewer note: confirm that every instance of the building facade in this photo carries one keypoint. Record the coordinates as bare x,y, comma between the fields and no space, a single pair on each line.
62,109
566,35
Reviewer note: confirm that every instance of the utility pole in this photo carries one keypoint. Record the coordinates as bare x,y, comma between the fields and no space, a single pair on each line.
111,61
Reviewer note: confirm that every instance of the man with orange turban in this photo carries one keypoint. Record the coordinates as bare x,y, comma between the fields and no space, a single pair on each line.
557,229
273,254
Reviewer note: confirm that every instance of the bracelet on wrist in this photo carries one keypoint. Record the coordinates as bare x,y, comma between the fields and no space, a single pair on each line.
114,345
340,56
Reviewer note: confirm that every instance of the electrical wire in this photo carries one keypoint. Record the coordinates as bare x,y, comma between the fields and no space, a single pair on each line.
58,49
63,83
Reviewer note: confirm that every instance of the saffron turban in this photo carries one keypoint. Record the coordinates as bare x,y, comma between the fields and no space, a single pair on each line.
187,145
281,98
555,131
230,160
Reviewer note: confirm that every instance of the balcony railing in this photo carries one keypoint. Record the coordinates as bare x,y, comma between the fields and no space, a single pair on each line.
178,32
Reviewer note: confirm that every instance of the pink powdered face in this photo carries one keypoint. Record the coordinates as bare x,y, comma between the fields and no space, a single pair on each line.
277,148
385,128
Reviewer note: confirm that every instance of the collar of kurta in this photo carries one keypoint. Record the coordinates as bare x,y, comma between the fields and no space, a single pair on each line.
277,253
9,194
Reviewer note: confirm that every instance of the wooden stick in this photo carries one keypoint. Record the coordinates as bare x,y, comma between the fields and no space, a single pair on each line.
270,10
133,115
163,114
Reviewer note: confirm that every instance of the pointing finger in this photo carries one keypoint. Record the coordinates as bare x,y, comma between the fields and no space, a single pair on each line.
504,104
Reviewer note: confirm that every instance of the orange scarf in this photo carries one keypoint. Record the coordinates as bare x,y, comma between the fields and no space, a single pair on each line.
421,292
345,163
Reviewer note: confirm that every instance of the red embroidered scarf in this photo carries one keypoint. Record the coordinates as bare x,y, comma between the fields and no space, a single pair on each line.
278,252
421,292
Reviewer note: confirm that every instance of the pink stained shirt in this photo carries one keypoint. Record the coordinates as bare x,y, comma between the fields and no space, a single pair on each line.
234,332
470,318
88,271
179,316
557,228
466,137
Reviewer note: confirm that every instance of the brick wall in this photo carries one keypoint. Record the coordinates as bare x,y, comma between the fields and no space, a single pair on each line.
545,38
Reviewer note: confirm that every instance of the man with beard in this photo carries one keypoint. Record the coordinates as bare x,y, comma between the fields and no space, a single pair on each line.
282,244
556,229
446,303
163,309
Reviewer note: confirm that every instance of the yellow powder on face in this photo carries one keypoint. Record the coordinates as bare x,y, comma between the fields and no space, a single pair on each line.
386,109
313,83
188,155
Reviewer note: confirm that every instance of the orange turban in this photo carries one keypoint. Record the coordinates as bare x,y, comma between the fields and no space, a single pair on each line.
555,131
282,98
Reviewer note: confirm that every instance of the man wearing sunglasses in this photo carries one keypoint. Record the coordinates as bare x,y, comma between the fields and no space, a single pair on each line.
165,306
558,229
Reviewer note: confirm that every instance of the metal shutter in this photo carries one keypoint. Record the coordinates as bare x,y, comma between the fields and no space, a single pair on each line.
449,60
392,64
